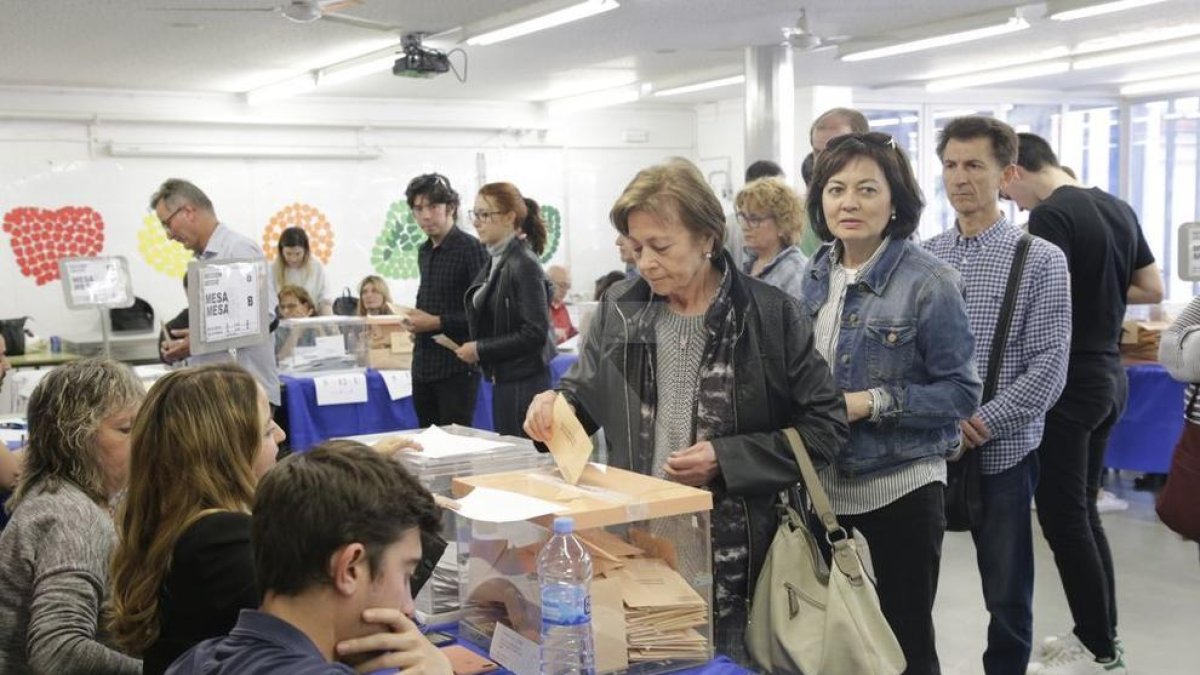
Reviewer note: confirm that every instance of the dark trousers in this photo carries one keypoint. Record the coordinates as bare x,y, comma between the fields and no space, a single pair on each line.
1072,462
510,402
1004,550
905,540
447,401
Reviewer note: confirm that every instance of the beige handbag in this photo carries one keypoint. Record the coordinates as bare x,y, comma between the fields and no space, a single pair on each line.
807,619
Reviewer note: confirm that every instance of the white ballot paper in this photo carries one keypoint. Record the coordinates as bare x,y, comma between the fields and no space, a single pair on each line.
399,383
341,388
501,506
436,442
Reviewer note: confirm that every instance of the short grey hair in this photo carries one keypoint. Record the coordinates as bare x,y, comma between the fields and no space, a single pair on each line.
65,412
176,190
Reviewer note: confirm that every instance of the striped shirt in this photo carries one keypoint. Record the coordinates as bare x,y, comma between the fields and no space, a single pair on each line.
1179,352
852,496
1033,367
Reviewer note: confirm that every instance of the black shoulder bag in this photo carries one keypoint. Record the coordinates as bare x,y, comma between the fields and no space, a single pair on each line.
964,492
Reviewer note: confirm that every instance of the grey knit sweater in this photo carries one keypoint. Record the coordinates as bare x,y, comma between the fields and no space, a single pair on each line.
54,557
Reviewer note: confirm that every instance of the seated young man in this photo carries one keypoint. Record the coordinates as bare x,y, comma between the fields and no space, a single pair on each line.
336,536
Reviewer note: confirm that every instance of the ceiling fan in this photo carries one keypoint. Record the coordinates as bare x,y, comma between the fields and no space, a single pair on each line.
801,38
304,11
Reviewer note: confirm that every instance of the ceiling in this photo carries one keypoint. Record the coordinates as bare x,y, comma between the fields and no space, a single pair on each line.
153,45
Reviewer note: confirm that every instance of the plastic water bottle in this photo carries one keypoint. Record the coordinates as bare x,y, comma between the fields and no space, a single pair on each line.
565,578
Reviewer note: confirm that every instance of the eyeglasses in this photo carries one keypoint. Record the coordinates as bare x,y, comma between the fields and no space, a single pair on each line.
875,138
166,222
483,215
752,221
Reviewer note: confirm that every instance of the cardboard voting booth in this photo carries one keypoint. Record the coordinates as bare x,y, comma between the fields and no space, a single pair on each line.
651,558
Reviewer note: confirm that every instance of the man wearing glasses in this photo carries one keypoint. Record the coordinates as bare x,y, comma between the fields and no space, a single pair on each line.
978,156
187,215
444,388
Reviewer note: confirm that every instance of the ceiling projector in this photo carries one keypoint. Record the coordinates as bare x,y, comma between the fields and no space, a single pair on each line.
420,61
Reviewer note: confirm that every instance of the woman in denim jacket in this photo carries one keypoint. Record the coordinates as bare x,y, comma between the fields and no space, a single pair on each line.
891,322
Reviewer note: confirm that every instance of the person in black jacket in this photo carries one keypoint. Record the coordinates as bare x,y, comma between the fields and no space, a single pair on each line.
508,305
693,371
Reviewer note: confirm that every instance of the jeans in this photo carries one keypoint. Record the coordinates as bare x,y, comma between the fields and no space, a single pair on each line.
905,541
510,402
447,401
1004,550
1072,463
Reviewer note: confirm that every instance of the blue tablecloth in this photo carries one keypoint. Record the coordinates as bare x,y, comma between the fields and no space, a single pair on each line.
1145,436
309,423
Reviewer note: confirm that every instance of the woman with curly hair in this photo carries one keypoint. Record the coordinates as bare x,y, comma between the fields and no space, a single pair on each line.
54,552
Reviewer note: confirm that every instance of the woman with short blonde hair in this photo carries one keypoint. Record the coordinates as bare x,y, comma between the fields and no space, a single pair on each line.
771,216
183,568
54,552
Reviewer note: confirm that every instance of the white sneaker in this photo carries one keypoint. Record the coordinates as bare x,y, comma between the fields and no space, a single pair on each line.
1107,502
1072,658
1054,644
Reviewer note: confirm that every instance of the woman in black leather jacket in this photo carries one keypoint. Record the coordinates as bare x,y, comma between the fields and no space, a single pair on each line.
508,305
694,370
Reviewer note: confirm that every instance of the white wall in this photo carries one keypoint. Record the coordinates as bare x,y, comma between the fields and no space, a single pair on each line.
56,150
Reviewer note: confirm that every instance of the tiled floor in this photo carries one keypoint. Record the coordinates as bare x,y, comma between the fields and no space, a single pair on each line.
1158,594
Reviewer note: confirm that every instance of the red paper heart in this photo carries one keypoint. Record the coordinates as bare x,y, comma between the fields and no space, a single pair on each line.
40,237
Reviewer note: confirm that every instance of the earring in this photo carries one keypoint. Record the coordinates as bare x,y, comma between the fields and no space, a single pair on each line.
893,215
708,255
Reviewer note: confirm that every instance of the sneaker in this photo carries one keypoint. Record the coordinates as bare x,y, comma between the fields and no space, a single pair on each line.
1054,644
1072,658
1107,502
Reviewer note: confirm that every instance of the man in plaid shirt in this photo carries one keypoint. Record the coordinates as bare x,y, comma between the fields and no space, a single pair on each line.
444,387
978,155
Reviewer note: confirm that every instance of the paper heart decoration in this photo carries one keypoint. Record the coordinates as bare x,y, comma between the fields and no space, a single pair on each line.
314,223
163,254
40,237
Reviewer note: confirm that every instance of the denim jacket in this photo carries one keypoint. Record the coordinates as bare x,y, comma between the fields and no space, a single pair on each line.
904,329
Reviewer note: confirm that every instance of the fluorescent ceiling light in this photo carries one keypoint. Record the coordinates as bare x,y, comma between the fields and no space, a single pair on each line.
1137,38
1012,25
701,86
996,64
582,81
893,121
574,12
1071,11
242,151
289,87
1163,85
340,73
998,76
1137,55
595,99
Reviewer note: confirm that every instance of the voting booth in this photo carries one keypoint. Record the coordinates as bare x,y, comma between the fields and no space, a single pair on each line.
448,453
651,560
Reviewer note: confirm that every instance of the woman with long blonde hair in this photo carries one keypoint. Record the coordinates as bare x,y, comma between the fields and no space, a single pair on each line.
183,568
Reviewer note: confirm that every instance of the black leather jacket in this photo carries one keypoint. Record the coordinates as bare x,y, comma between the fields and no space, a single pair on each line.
511,328
779,378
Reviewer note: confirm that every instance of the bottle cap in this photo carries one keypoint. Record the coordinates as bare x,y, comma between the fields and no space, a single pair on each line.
564,525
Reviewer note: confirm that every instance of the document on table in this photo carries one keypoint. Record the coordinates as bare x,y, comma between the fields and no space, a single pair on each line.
515,652
399,383
501,506
436,442
341,388
569,443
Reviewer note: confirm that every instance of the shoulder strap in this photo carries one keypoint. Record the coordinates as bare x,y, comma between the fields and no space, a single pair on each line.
1004,323
816,492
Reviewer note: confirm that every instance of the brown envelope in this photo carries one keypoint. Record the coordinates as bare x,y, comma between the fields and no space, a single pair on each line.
608,626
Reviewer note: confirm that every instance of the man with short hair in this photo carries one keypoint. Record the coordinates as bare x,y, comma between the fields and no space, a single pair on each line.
444,387
187,214
1111,265
977,155
828,125
336,535
560,317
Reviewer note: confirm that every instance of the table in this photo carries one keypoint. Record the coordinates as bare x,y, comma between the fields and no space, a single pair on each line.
40,359
309,423
1145,436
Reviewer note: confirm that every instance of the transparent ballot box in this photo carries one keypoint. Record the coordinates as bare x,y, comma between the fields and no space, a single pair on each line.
323,344
450,452
651,562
